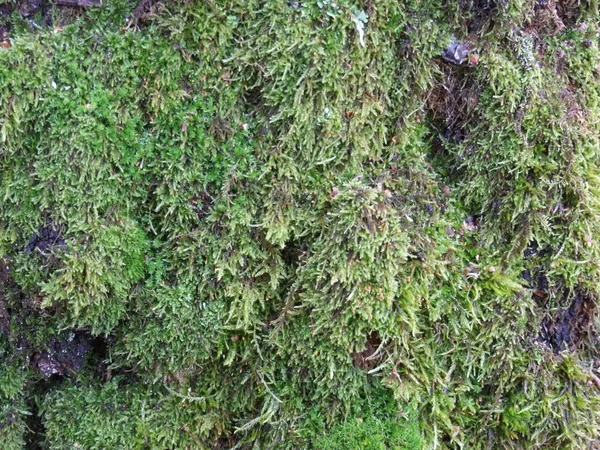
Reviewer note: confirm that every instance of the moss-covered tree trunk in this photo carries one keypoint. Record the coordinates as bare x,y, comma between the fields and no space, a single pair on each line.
304,224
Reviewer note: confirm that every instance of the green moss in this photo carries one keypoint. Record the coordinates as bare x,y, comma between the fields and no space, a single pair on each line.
381,425
271,225
133,416
96,276
12,409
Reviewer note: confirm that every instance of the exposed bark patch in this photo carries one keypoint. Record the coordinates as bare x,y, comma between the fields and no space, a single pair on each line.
568,328
369,358
64,355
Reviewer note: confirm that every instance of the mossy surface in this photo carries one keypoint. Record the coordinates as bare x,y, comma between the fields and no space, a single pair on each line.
283,225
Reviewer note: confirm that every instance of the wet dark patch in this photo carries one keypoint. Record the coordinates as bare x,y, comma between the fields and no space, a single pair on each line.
541,289
292,253
542,285
202,203
225,442
254,99
143,12
48,238
65,355
369,359
4,281
568,328
29,8
535,277
6,10
476,16
482,15
97,360
35,431
533,249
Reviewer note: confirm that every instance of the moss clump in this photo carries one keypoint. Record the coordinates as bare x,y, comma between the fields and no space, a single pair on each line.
370,434
294,225
12,406
380,424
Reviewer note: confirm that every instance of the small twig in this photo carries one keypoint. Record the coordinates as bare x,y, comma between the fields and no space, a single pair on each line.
185,397
82,3
594,378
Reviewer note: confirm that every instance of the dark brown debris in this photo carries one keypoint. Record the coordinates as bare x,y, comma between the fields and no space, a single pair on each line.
142,12
554,16
202,204
81,3
220,129
452,103
368,359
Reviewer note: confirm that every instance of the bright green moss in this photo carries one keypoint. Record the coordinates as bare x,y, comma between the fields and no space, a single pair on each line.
96,275
384,428
370,434
12,408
